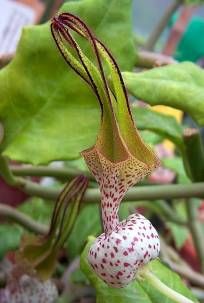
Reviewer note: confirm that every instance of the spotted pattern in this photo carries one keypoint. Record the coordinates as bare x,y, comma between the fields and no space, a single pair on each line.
114,180
28,289
117,256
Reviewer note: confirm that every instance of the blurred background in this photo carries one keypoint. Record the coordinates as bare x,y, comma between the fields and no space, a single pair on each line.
145,17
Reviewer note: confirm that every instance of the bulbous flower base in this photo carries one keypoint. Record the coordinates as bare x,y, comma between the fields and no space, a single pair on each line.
117,255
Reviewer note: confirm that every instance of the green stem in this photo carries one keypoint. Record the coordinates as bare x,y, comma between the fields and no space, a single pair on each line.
47,171
8,212
34,189
92,195
162,208
163,288
194,164
6,173
147,59
194,154
157,31
196,230
171,191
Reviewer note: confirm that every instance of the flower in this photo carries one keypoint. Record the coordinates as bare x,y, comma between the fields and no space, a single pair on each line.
118,159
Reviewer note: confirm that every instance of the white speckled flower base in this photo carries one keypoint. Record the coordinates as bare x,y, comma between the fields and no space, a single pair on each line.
117,256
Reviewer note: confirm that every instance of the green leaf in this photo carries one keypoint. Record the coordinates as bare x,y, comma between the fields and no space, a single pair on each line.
176,164
126,209
177,85
194,2
179,233
88,222
164,125
10,236
78,277
138,291
150,138
38,209
48,113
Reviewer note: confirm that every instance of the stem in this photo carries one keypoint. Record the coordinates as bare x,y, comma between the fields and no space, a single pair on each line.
9,212
172,258
157,31
92,196
171,191
162,209
196,231
34,189
6,173
169,213
194,154
194,161
46,171
147,59
163,288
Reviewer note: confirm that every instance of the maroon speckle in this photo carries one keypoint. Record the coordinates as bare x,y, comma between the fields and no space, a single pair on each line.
117,241
115,248
126,264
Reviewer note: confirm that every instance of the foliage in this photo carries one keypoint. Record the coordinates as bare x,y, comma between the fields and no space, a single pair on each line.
78,236
177,85
9,238
40,99
165,125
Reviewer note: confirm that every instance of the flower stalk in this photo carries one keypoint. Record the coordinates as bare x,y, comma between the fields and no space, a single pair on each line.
163,288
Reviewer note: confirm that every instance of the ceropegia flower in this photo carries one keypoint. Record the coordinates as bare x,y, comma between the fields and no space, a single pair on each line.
28,281
119,158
